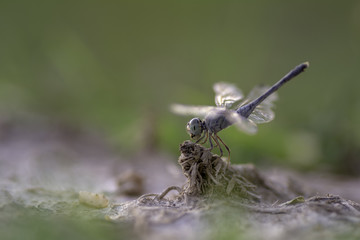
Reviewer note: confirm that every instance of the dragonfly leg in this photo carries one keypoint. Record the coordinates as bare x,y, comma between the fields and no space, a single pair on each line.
217,142
227,148
206,138
211,144
201,138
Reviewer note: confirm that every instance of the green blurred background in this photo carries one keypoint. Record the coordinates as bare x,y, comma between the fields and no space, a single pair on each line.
118,65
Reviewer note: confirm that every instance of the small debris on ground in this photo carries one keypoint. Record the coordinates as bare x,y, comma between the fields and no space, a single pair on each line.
131,183
96,200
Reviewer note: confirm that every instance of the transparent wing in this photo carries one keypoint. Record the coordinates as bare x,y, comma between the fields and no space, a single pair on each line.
261,115
226,94
263,112
198,111
242,123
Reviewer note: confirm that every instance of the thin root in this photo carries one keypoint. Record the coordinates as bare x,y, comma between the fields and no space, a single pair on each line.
166,191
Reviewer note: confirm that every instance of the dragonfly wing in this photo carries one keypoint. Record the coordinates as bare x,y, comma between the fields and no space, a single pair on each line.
198,111
262,115
242,123
263,112
226,94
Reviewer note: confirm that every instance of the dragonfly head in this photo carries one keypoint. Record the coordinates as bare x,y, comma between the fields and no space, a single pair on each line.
195,128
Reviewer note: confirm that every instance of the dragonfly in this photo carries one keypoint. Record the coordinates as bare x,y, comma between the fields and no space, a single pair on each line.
255,109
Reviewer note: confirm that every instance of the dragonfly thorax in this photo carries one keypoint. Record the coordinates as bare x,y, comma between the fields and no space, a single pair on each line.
217,120
195,128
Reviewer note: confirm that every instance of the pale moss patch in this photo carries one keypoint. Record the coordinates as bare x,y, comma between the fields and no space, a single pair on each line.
96,200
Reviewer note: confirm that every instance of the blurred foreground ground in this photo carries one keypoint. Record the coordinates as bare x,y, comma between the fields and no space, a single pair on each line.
44,165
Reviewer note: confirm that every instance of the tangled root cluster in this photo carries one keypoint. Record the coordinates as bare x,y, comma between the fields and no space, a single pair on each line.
207,174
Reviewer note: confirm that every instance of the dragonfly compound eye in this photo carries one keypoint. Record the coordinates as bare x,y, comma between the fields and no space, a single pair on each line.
194,128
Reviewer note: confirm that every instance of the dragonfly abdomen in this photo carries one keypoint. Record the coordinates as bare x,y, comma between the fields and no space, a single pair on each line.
247,109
